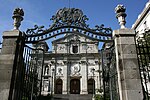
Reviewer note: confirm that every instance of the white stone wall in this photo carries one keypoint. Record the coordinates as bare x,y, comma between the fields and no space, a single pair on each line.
143,22
76,67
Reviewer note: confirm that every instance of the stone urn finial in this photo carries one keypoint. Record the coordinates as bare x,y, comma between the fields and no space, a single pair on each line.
17,17
121,15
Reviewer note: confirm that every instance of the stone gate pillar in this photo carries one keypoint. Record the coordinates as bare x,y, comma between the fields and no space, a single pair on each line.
8,58
129,81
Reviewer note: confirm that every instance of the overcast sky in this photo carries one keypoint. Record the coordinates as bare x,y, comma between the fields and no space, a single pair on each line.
40,11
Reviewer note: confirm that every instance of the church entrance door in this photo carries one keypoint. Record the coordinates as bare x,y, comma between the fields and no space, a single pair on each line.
91,86
75,86
58,86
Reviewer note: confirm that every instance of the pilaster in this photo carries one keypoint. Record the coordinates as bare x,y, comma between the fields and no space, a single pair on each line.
83,80
65,79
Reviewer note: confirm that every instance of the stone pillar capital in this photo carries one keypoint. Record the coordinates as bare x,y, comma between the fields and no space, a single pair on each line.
13,33
123,33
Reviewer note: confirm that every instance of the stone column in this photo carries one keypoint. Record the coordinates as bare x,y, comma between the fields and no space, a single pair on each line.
83,80
129,81
8,60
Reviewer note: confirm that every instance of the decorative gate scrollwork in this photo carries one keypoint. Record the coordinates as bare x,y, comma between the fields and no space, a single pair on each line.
69,20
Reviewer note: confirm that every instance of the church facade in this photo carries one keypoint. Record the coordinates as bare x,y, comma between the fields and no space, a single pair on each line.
73,66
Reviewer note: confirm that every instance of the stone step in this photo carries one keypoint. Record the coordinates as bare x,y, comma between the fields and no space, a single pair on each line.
72,97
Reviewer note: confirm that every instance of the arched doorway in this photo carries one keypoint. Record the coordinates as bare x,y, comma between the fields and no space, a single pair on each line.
75,86
91,86
58,86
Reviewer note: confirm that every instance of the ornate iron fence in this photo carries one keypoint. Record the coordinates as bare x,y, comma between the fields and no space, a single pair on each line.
143,52
33,59
29,77
110,78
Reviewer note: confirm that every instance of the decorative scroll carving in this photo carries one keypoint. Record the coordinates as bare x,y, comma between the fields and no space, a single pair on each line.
69,16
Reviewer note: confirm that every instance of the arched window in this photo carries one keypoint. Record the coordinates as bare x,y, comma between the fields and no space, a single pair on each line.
46,70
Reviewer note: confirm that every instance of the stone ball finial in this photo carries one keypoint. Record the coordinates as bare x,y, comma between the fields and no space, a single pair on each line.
121,15
17,17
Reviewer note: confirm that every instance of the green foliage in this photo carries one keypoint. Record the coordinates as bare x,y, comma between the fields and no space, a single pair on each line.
98,97
25,98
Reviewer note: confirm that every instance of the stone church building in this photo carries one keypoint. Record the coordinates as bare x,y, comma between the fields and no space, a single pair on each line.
72,67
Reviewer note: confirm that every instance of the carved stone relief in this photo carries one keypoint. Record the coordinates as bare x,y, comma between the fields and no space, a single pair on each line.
59,71
75,69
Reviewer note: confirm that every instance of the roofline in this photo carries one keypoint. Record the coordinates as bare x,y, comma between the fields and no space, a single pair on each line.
142,15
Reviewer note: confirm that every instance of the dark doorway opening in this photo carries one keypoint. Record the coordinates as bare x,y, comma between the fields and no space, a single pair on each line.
58,86
91,86
75,86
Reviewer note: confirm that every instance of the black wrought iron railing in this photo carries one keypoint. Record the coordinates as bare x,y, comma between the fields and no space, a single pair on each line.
113,77
110,77
29,70
0,46
32,73
143,53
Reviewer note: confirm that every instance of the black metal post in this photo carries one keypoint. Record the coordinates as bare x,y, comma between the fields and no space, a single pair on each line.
52,82
93,70
103,74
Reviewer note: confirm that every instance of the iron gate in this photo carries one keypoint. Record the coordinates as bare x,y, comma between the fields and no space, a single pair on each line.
29,74
33,60
143,52
66,21
110,77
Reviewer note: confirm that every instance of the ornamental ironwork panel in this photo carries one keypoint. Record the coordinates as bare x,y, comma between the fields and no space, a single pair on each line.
69,20
143,52
32,75
110,77
69,16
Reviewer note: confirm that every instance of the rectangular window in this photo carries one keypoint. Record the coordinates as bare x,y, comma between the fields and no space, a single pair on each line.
75,49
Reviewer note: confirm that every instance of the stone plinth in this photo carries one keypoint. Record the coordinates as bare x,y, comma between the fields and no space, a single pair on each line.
129,81
7,59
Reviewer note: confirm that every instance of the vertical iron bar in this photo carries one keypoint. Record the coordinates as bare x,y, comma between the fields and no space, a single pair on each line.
103,74
41,73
